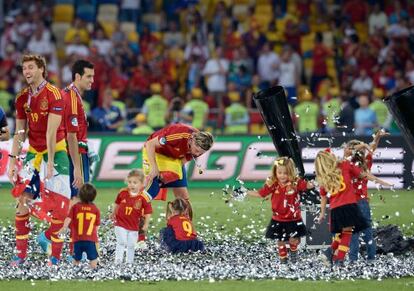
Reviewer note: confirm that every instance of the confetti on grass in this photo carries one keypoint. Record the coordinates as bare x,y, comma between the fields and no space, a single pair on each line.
228,257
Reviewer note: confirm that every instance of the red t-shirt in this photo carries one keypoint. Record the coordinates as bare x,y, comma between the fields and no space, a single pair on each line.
47,100
183,227
75,117
174,141
360,185
128,215
85,217
285,200
346,194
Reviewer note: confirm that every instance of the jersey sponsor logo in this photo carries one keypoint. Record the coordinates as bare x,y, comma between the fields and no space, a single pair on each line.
163,141
58,108
43,104
74,121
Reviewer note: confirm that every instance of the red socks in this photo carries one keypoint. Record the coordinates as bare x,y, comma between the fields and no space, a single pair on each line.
282,252
51,233
343,247
22,234
293,247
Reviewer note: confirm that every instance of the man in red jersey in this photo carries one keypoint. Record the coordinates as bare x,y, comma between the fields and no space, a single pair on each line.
76,123
165,153
39,110
76,133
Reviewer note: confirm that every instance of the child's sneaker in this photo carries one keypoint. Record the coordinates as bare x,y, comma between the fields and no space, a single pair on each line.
16,261
327,257
53,261
141,245
44,243
293,257
283,261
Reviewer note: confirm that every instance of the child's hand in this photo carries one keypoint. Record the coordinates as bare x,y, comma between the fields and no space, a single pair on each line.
321,218
380,133
310,184
62,231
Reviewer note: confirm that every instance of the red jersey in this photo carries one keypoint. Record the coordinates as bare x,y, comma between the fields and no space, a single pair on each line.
35,108
285,199
183,227
85,217
361,185
75,116
174,141
346,194
128,215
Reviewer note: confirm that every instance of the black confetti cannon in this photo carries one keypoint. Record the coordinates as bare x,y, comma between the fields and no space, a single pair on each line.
273,107
401,106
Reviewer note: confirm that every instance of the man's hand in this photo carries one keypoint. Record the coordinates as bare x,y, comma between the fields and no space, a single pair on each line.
155,172
11,172
77,179
49,171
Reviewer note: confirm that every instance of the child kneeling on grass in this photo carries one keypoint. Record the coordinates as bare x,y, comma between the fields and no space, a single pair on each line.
179,236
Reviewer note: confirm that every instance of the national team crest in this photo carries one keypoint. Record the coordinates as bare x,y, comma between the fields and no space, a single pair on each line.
43,104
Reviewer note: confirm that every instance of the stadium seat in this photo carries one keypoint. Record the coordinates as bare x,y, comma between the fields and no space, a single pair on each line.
264,10
256,123
59,31
239,12
108,13
108,27
86,12
72,2
128,27
307,42
63,13
262,2
153,20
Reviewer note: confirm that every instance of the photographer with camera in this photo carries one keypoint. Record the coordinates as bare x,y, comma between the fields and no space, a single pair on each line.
176,112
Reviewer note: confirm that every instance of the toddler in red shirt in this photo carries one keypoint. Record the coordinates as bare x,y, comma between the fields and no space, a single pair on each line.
85,218
286,225
179,236
129,209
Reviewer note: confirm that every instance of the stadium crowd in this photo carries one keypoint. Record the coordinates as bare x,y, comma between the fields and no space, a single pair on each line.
200,61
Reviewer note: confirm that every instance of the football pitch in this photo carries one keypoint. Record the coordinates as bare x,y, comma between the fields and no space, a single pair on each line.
246,219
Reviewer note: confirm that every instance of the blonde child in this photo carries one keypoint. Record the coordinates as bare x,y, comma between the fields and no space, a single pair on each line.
336,178
129,208
286,225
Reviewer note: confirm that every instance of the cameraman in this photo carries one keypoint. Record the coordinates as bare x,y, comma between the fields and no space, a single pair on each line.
177,114
4,130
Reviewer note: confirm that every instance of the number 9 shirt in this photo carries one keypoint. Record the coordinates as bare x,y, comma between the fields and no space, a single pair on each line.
183,227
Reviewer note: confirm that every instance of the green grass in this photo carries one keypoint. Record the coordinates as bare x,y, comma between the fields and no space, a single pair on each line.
386,285
210,209
250,216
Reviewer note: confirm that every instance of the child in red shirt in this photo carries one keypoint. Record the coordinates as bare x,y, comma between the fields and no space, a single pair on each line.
85,218
361,155
335,177
179,235
286,225
128,210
